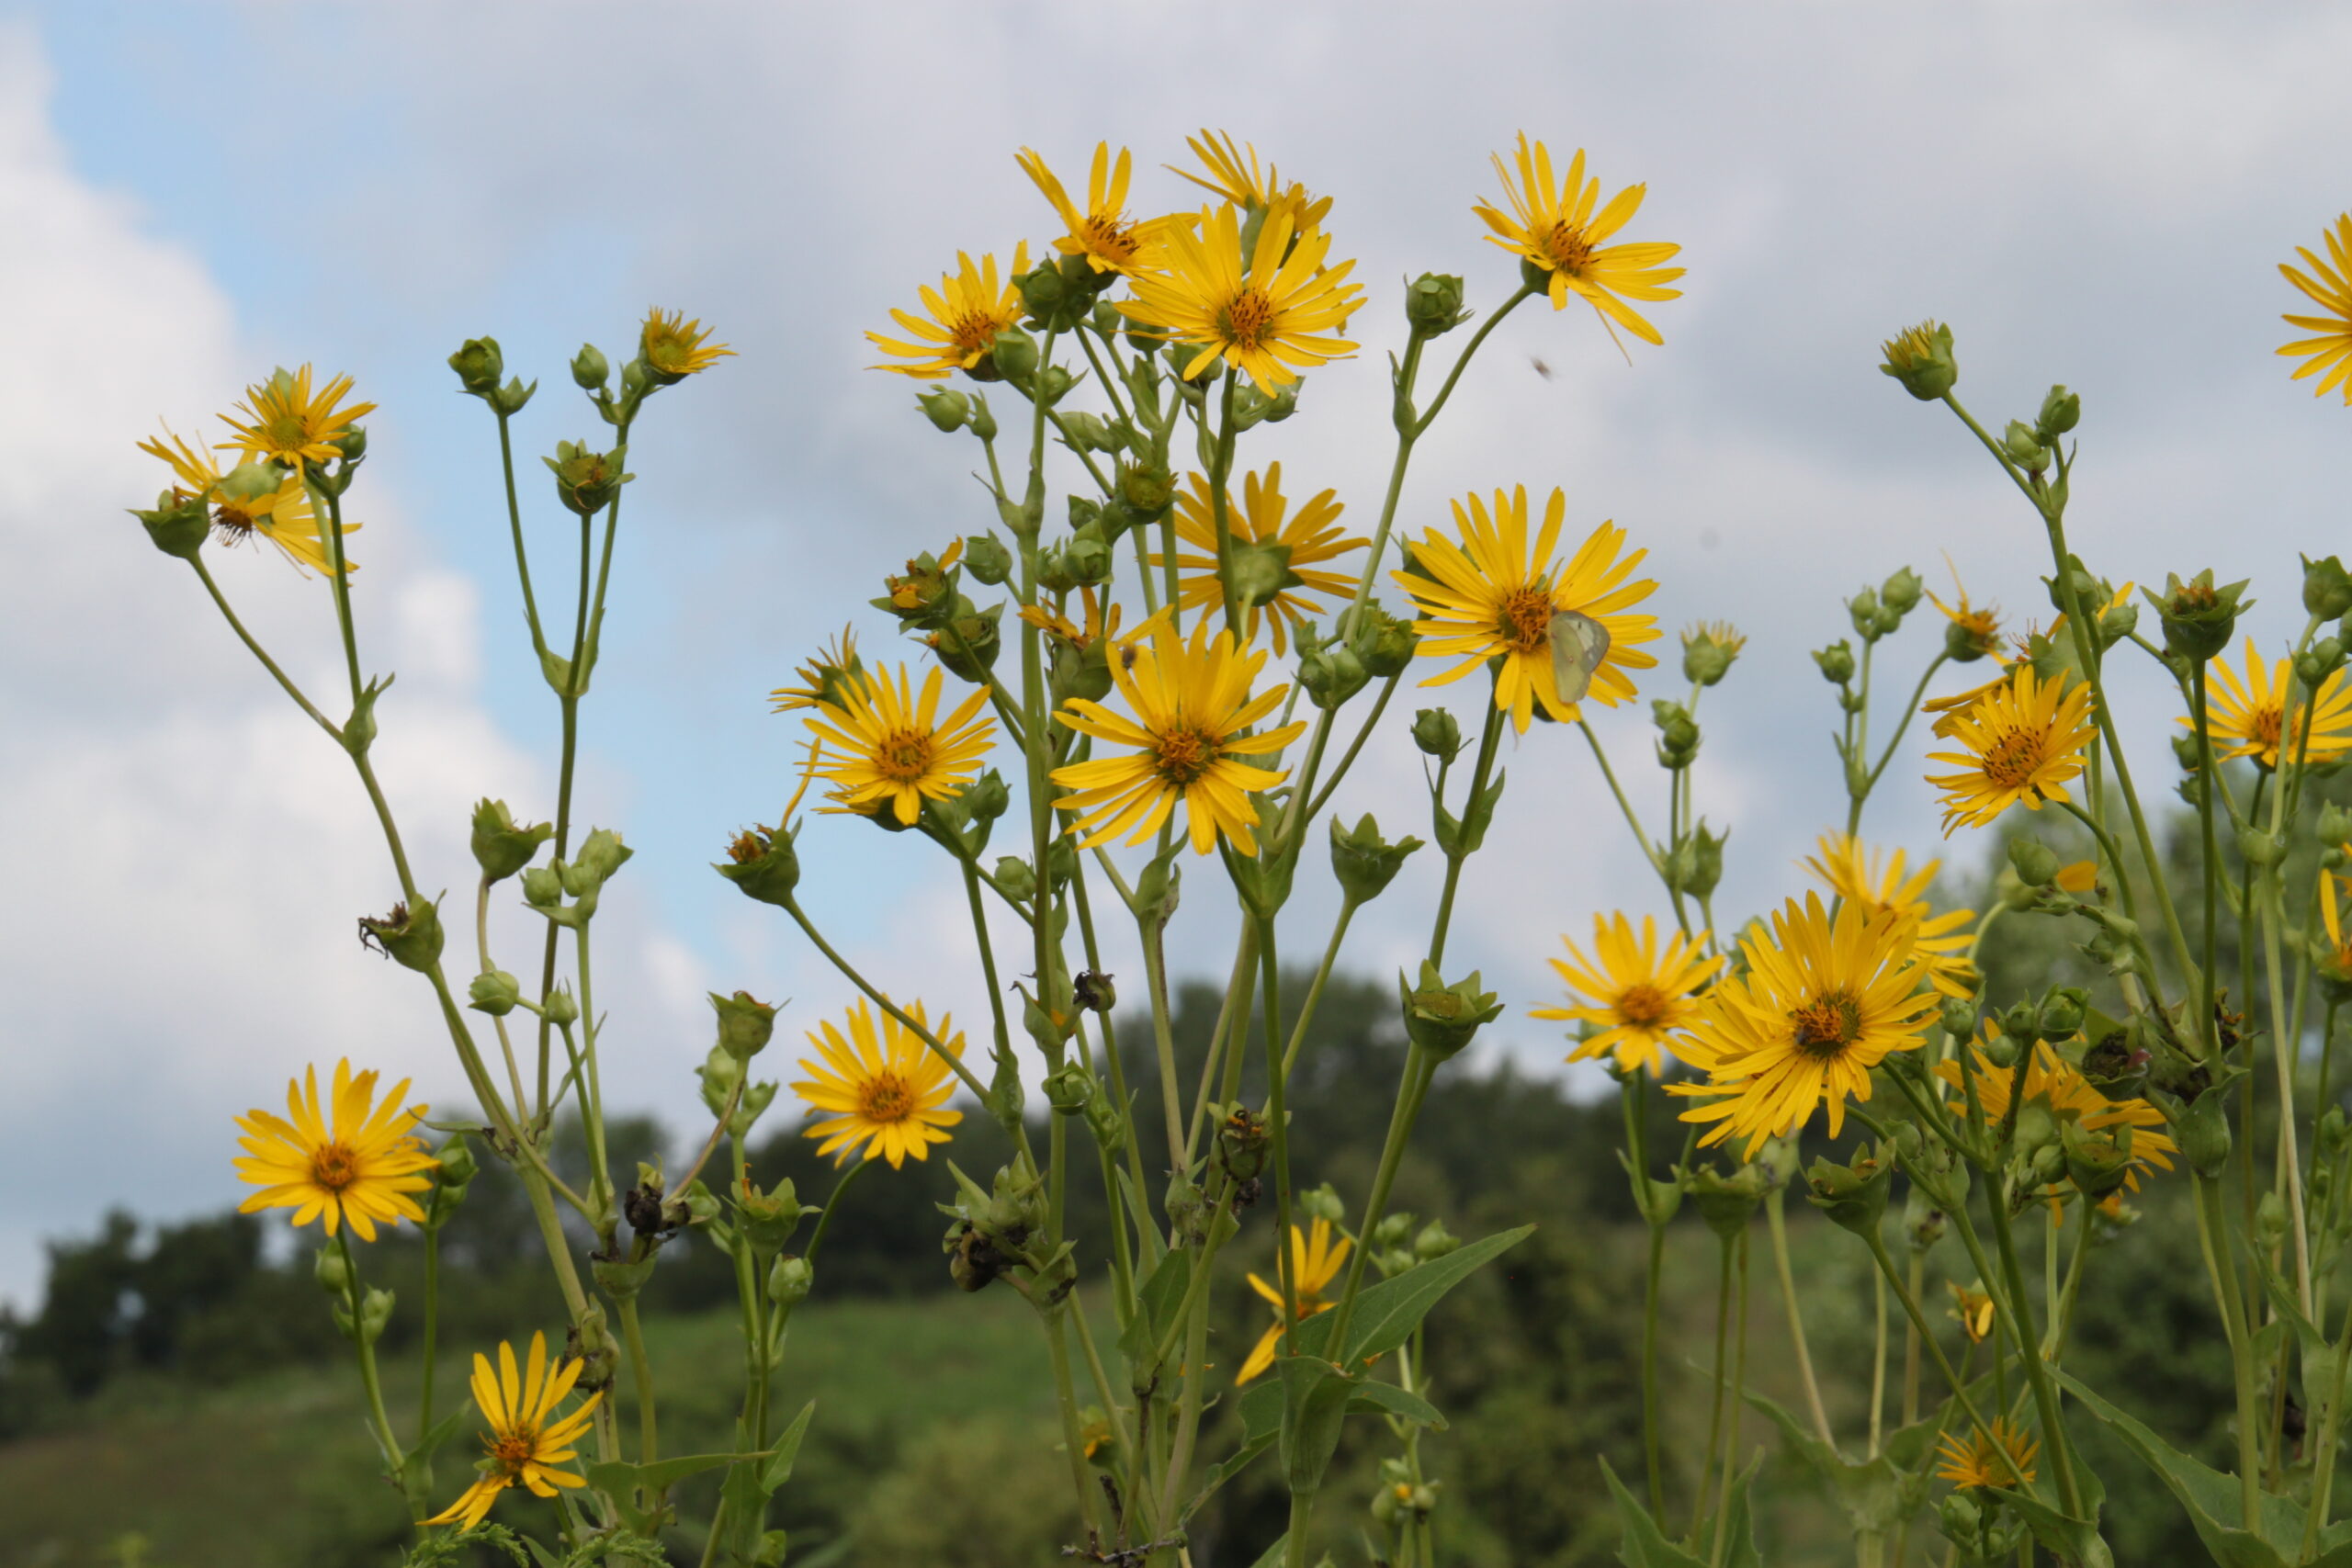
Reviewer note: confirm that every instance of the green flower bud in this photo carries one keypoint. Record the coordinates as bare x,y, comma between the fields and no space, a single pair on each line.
1433,304
1902,591
600,854
986,558
947,409
2116,623
2335,824
1708,650
2270,1221
761,861
1015,879
1149,488
924,594
1364,862
2024,448
1069,1088
1442,1018
1836,662
332,1272
2061,411
1727,1203
744,1025
457,1166
1015,355
1863,610
590,371
501,848
719,1074
2260,847
1394,1226
2327,587
2036,864
1920,358
1958,1016
2096,1163
563,1010
1384,644
2197,617
1436,734
352,444
2001,1049
1094,991
410,937
1089,433
790,1279
968,645
1677,734
1323,1204
2203,1131
1434,1241
374,1314
1332,673
178,524
587,481
1854,1197
479,366
495,992
1108,1124
1259,571
2317,662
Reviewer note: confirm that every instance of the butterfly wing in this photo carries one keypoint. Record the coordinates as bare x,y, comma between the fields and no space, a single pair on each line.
1578,645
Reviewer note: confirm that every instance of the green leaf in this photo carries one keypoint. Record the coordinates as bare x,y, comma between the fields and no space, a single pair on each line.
778,1469
1645,1545
2209,1497
1315,1402
612,1477
1156,1304
1740,1551
1252,1445
1386,1314
1373,1397
2070,1539
1869,1494
1272,1556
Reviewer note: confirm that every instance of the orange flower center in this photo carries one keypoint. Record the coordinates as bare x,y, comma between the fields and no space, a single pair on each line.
2011,761
1643,1007
1249,318
2263,727
1184,755
514,1448
334,1167
233,523
975,330
904,756
1567,246
1524,618
886,1097
1108,235
1824,1027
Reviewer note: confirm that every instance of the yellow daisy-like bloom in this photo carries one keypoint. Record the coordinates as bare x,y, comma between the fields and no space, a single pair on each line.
1975,1309
280,513
288,423
1100,232
1553,228
1263,517
2023,740
676,347
1191,704
1270,313
966,310
885,1092
1971,1458
880,742
1821,1002
1487,595
2247,717
354,1161
525,1441
1640,1000
1233,173
1940,943
2329,284
1315,1261
821,675
2060,1085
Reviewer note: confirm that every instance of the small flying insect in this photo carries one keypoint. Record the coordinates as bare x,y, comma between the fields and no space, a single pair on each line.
1542,367
1578,645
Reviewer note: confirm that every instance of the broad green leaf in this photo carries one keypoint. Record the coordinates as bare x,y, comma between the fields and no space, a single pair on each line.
1315,1403
2211,1497
1645,1545
2069,1539
778,1469
1740,1550
1870,1494
1372,1396
1386,1314
1156,1307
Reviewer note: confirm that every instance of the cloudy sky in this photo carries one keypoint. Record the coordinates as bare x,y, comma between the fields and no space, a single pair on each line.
194,194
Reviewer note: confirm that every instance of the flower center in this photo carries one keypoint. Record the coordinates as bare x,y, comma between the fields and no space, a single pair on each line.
1566,247
232,523
334,1167
2263,727
288,432
1249,318
1106,235
1524,618
974,331
904,756
886,1097
1824,1027
1184,755
1642,1007
513,1448
2012,761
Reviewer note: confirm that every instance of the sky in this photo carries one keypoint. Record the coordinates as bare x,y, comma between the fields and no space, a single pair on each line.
2091,194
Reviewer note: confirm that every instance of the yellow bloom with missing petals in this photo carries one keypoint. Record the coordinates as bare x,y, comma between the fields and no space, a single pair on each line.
2247,716
1100,232
2329,284
1270,312
1938,942
1233,173
1641,1000
526,1440
287,422
880,742
2022,739
1821,1003
966,313
675,347
1192,707
822,676
1555,230
1315,1261
1486,595
884,1091
1975,1309
1975,629
351,1161
1974,1458
1312,536
251,502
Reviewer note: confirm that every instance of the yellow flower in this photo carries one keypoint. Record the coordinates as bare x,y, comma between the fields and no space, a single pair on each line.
1192,707
966,311
525,1441
881,742
2058,1086
1270,313
355,1162
2002,1458
822,676
1642,1002
2246,717
288,422
1100,232
2023,740
1821,1002
1100,623
1233,173
2328,356
885,1091
251,503
1975,1309
1553,228
1488,596
677,348
1315,1261
1263,518
1938,942
2336,961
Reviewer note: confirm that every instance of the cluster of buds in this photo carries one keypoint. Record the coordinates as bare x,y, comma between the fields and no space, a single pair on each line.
1399,1247
581,879
1879,612
1376,647
1401,1499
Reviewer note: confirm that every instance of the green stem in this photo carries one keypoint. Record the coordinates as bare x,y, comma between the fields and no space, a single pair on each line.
286,684
395,1463
1776,1218
432,1329
1705,1493
640,1366
2212,1233
1715,1554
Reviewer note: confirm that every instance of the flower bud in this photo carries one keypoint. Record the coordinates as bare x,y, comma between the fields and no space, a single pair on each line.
1393,1228
374,1314
2203,1131
586,482
410,937
2197,617
2116,623
1902,591
1920,358
1854,1197
924,594
590,371
2260,847
2060,411
2327,587
600,854
987,559
2035,862
333,1271
744,1025
1014,878
1436,734
1108,1124
2002,1048
1708,650
1364,863
762,862
1433,1241
1015,355
500,848
1332,673
790,1279
178,524
947,409
495,992
1433,304
1836,662
1148,487
1384,643
1442,1018
1677,734
1323,1204
1863,610
2096,1163
2270,1221
1069,1088
2335,824
2024,448
1958,1016
968,642
1696,863
1727,1203
479,366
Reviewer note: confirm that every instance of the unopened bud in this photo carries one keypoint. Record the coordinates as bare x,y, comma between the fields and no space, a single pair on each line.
986,558
500,847
589,369
1836,662
495,992
1433,304
479,366
790,1278
1438,735
2024,448
744,1025
2061,411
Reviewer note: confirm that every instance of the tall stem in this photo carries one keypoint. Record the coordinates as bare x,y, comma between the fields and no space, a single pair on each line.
1777,1219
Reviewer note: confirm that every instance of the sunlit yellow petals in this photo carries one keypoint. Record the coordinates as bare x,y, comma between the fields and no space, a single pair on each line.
1232,173
1262,516
966,313
1269,314
2021,739
2328,284
1940,944
1553,228
675,347
1975,1458
355,1167
287,422
1638,1001
1315,1259
1487,592
256,503
886,1089
1101,231
882,747
2246,715
523,1446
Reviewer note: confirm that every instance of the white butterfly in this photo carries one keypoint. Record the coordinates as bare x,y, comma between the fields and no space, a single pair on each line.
1578,645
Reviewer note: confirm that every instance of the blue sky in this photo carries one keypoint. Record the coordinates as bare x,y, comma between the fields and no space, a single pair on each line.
2098,196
